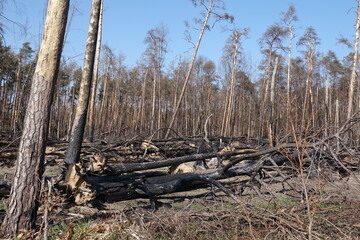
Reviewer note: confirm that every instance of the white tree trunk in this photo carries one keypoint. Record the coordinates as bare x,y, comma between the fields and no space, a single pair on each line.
355,63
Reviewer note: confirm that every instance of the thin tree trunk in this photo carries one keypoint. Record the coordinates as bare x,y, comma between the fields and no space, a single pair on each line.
355,64
92,107
104,98
308,90
152,123
225,112
24,196
263,101
143,101
288,101
271,127
187,78
71,113
326,106
14,112
337,123
77,132
228,131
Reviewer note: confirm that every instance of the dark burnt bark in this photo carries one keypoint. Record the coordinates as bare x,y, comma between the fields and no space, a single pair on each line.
77,133
118,188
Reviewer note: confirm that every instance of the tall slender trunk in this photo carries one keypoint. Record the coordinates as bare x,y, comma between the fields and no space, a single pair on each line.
15,112
337,123
143,101
92,107
188,75
71,115
230,109
288,101
153,100
25,191
265,95
159,101
225,112
326,106
104,98
77,132
308,91
272,123
355,64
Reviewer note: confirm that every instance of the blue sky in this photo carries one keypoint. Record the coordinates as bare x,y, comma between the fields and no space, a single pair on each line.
126,23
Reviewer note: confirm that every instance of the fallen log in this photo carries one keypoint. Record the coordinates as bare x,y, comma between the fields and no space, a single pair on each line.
144,185
126,168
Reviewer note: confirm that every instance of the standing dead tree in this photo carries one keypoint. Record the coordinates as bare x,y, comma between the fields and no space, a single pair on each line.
155,53
271,41
92,107
355,65
24,196
77,133
232,51
288,18
210,9
272,122
310,40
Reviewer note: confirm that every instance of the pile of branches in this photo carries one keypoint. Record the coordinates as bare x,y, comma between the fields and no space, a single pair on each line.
149,176
139,168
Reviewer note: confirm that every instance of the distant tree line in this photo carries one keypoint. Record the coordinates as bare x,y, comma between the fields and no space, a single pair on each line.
310,90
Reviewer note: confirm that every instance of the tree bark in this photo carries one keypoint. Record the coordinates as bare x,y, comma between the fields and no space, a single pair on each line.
77,132
143,101
355,64
92,108
271,126
288,101
24,196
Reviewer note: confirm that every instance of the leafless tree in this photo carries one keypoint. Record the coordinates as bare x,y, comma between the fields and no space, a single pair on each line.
212,7
77,132
310,40
289,17
355,65
155,53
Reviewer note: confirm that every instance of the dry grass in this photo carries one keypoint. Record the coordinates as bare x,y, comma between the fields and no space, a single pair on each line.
220,219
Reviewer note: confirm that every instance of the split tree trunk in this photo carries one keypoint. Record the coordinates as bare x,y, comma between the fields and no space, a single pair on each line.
24,196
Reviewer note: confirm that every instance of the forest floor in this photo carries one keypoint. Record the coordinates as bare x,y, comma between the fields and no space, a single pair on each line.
304,205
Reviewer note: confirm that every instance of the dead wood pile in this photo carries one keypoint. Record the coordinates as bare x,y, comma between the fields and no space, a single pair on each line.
145,168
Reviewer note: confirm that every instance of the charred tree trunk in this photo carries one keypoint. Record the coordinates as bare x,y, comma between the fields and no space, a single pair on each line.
24,196
77,132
